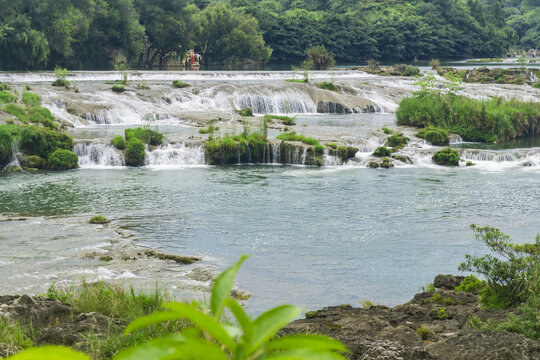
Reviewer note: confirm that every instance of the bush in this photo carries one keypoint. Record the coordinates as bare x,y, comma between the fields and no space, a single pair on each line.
119,142
98,219
60,83
118,88
6,97
382,151
475,120
423,332
246,112
397,140
136,152
146,135
318,58
31,99
5,145
62,159
387,131
61,74
179,84
442,314
446,157
327,85
292,136
4,87
471,284
42,142
435,63
434,135
411,70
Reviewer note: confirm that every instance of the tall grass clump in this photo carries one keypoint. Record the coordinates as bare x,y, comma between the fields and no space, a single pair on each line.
146,135
490,120
285,120
293,136
7,97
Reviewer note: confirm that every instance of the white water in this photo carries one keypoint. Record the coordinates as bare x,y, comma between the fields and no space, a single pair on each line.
175,156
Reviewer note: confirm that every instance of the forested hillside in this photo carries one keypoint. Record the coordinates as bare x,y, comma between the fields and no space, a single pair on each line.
98,33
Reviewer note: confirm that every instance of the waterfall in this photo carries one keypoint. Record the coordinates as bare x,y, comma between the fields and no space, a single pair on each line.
533,77
456,139
15,154
304,154
250,161
330,160
276,153
175,156
493,156
98,155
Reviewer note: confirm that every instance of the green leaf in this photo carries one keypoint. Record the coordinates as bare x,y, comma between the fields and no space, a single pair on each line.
233,331
198,349
243,319
159,348
50,353
222,287
305,354
203,321
270,322
153,319
304,341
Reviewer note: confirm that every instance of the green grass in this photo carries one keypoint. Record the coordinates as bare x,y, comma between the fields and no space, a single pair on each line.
98,219
490,120
327,85
7,97
14,336
382,151
31,99
248,112
119,142
331,145
397,140
446,157
179,84
434,135
285,120
387,131
4,87
303,81
62,159
118,88
209,129
292,136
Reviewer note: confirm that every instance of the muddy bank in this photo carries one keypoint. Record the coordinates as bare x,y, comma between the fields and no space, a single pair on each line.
426,327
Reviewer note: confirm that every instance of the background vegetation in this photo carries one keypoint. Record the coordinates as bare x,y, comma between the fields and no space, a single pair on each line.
102,33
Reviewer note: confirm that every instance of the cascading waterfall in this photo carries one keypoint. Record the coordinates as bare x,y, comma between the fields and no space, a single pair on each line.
175,156
15,155
98,155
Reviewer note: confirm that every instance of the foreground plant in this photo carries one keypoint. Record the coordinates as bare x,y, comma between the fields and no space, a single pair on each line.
212,338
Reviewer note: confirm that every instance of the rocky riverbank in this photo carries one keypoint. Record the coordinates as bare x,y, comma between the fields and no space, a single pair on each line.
434,325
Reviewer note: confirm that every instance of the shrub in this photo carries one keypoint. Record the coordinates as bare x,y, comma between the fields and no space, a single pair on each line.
327,85
411,70
98,219
119,142
62,159
5,145
33,162
442,314
382,151
512,275
118,88
469,163
135,152
434,135
208,130
61,74
318,58
423,332
397,140
435,63
42,142
179,84
246,112
4,87
446,157
6,97
471,284
366,304
31,99
146,135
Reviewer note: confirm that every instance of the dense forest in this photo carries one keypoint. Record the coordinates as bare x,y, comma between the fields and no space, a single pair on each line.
99,33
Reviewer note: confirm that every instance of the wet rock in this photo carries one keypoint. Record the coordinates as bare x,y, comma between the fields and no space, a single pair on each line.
186,260
447,282
11,169
416,330
328,107
35,310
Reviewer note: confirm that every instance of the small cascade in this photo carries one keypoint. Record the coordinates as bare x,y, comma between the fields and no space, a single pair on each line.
175,156
250,161
276,153
14,164
98,155
493,156
304,155
276,103
456,139
532,77
330,160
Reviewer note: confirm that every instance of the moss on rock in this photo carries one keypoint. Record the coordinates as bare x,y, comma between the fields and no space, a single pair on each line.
135,152
446,157
62,159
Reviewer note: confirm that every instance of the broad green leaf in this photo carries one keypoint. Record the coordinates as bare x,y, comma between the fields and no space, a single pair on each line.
156,349
270,322
153,319
303,341
222,288
243,319
233,331
199,349
50,353
305,354
203,321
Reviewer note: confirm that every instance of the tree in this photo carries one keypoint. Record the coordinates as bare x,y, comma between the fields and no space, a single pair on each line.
226,35
318,58
22,45
168,25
